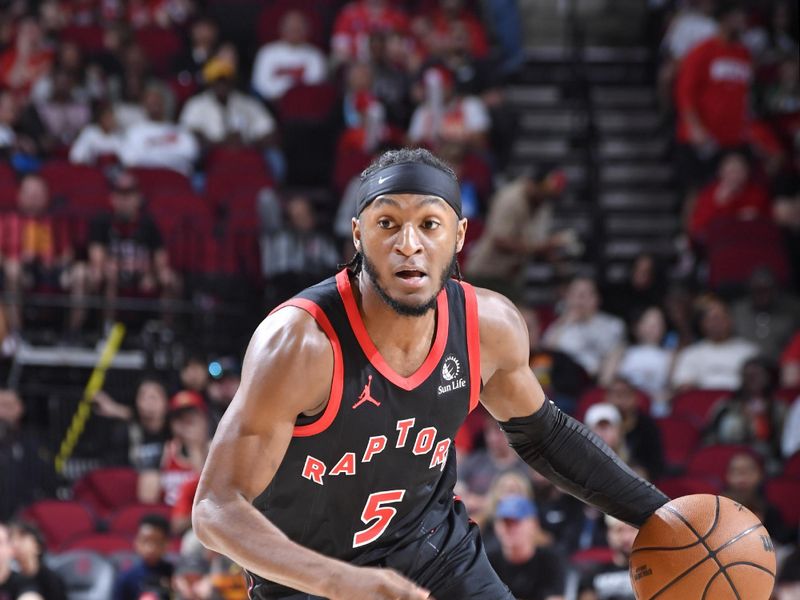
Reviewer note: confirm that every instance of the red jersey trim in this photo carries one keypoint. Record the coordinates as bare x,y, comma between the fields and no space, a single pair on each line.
335,397
473,344
374,356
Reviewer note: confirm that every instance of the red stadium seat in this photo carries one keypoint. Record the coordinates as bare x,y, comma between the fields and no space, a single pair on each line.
236,159
712,461
102,543
675,487
225,187
89,38
679,437
8,195
73,181
308,102
126,520
268,25
160,45
178,204
696,405
791,469
106,490
785,495
156,181
598,555
788,395
60,520
598,394
7,174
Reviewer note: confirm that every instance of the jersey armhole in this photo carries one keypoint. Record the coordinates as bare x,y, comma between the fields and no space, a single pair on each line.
473,344
335,397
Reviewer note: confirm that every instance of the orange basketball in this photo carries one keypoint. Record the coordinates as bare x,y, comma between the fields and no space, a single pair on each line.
703,547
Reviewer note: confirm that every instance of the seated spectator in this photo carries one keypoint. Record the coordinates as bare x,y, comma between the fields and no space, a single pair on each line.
753,415
612,581
790,363
63,113
643,288
605,421
37,255
157,141
530,572
294,252
477,472
716,360
227,375
733,195
583,331
744,483
27,60
13,586
180,519
446,115
646,363
519,227
203,46
100,141
151,576
711,94
146,423
184,453
29,549
790,441
690,26
766,316
127,87
642,436
447,15
126,251
679,309
391,83
224,116
356,21
194,375
364,115
510,483
289,61
786,211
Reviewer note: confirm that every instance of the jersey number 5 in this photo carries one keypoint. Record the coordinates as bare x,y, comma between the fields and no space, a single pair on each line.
376,509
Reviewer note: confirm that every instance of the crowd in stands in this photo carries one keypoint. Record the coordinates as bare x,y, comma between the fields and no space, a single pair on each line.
152,149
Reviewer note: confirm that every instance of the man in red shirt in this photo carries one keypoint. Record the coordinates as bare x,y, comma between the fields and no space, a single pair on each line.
357,21
711,95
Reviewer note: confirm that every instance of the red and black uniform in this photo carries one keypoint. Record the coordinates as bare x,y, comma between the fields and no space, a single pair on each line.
370,480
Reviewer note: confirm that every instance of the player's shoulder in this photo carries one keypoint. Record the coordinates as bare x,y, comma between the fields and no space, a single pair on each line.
503,332
293,332
495,311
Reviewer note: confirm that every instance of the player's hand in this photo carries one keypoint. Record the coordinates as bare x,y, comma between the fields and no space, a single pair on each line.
369,583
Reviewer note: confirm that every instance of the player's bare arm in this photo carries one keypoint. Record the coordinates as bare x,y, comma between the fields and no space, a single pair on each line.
556,445
287,371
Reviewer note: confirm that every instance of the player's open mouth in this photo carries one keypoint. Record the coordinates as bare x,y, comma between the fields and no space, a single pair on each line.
411,277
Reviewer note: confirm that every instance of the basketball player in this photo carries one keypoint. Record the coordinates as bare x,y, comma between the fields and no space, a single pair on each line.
331,474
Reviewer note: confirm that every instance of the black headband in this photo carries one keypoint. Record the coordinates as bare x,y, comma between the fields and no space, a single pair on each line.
410,178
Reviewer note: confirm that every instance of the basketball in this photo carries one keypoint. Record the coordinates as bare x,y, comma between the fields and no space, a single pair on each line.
703,547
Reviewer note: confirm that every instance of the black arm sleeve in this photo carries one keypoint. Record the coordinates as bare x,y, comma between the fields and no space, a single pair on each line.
576,460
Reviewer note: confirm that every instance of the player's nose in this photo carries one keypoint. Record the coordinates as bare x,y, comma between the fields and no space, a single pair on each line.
408,240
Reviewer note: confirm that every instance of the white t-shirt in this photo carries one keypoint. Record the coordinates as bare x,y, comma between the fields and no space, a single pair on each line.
206,115
163,145
587,342
467,115
790,443
280,66
647,367
712,366
93,142
688,29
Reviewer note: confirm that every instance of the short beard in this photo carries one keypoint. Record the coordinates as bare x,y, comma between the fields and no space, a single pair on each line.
401,308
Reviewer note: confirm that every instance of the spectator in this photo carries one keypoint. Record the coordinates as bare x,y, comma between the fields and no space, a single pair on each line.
37,256
146,423
26,467
744,483
294,252
12,585
289,61
711,92
184,453
69,60
531,573
180,519
157,141
364,115
753,415
643,288
127,89
509,483
790,363
29,549
642,436
29,59
582,330
227,375
519,227
692,25
356,21
766,317
126,252
605,421
790,441
646,363
62,113
612,581
203,46
733,195
390,80
448,15
445,115
679,308
150,576
786,211
194,375
715,361
100,141
787,585
223,116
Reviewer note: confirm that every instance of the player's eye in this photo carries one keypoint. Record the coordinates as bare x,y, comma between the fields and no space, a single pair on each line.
430,224
384,223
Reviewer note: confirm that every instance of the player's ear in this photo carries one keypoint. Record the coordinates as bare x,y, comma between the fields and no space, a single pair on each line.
356,234
461,232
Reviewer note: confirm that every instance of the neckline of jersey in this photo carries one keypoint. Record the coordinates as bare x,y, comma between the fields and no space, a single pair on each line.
371,351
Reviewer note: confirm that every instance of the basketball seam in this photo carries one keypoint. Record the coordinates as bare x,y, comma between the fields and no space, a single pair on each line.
751,564
708,585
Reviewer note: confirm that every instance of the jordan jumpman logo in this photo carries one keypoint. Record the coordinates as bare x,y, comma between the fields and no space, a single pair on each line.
366,395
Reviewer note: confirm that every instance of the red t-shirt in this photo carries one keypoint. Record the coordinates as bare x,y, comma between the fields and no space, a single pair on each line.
357,21
792,352
183,505
479,45
751,202
714,80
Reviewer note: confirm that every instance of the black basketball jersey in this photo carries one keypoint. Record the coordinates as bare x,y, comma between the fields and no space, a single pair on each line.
375,470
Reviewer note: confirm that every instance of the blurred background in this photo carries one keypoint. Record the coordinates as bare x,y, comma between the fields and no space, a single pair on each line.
170,170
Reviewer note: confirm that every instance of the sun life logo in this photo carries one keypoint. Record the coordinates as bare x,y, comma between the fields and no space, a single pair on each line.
450,368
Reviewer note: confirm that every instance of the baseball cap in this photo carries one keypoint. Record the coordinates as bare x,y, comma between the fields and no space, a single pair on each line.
602,411
186,399
515,507
218,68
